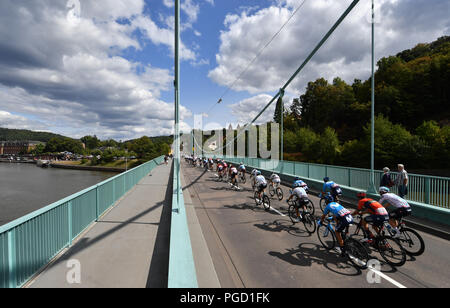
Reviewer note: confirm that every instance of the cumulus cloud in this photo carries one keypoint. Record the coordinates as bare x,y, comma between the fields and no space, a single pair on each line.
9,120
246,110
71,77
401,25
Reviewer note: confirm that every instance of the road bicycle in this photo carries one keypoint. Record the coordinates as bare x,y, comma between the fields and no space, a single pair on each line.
306,216
242,177
265,200
354,250
323,200
389,248
309,206
275,189
411,241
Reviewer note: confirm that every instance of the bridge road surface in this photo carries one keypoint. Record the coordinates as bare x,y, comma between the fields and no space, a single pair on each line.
257,249
127,247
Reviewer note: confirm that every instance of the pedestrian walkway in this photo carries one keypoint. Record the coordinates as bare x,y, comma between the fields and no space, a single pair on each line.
127,247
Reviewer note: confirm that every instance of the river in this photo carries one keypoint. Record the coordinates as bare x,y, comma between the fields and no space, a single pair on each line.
25,188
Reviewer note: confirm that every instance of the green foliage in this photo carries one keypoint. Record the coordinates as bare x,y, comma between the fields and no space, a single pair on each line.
330,123
57,145
25,135
91,142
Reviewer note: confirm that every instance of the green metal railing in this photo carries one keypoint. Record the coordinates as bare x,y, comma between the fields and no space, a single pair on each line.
31,242
430,190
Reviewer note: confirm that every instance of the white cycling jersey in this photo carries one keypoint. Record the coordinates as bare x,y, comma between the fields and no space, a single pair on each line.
234,170
393,200
275,178
260,180
300,192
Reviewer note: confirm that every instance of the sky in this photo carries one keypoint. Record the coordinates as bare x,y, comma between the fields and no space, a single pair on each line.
106,68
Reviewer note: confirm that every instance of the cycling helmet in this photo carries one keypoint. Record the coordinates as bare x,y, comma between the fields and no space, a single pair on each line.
242,163
297,178
361,195
258,172
326,179
383,190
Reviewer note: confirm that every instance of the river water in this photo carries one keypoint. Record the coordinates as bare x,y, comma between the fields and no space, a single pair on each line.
25,188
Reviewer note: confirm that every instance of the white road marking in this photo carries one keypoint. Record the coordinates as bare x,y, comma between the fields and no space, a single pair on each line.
397,284
276,211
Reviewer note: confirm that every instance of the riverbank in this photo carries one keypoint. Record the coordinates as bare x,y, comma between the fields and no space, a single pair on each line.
64,165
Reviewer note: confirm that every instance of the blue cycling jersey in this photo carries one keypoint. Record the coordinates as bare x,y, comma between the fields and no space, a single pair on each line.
330,185
300,183
336,209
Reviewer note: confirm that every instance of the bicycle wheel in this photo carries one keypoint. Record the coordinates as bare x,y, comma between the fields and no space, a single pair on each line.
266,202
257,200
271,190
322,204
243,179
294,214
391,250
357,253
412,242
326,237
309,222
279,193
310,207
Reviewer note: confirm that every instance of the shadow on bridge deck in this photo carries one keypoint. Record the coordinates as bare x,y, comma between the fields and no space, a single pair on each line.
127,247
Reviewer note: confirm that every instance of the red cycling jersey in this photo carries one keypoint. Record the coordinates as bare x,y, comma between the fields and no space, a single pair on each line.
372,206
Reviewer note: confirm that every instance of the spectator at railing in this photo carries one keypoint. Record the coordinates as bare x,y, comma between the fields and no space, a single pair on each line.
402,181
386,179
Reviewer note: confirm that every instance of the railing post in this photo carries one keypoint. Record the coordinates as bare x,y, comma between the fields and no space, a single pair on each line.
12,273
70,223
427,190
349,177
97,203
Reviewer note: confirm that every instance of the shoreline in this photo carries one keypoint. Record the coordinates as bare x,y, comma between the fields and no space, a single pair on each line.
90,168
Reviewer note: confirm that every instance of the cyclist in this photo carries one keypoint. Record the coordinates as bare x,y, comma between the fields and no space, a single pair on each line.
242,169
301,184
275,180
253,175
220,169
261,183
334,188
401,208
342,217
225,167
233,174
301,196
377,214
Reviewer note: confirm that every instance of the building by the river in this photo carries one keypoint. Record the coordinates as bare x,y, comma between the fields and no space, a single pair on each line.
17,147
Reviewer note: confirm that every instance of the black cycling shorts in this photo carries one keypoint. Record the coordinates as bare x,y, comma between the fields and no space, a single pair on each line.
400,213
261,187
376,220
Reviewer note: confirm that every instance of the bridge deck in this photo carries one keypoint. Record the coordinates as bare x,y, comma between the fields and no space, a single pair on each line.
254,248
127,247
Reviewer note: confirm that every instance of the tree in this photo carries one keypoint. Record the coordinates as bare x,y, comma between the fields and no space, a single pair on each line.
91,142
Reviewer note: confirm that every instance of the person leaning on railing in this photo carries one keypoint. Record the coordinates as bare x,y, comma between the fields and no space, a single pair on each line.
386,180
402,181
